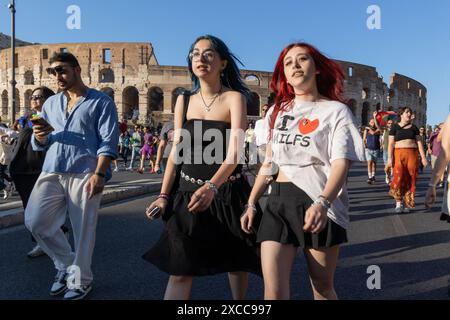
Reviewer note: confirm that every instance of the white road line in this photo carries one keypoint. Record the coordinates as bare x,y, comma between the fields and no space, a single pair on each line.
399,227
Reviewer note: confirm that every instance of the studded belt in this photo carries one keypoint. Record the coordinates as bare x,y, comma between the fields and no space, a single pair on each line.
201,182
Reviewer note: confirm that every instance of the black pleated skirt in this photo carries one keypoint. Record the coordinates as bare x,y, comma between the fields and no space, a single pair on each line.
284,217
208,242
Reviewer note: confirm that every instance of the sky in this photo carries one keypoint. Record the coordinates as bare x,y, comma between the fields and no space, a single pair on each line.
413,39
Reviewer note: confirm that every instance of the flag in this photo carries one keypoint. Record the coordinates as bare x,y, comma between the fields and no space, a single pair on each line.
384,116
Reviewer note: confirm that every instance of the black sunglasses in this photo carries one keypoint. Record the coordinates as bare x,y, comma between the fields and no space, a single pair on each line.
57,70
36,97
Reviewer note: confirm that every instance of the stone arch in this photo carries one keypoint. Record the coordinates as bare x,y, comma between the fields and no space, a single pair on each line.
5,101
175,93
365,114
26,101
155,96
130,101
28,78
106,76
252,80
352,104
253,105
365,93
108,91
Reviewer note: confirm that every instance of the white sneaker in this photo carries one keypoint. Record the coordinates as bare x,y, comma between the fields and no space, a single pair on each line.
116,169
6,194
78,293
405,210
398,209
60,283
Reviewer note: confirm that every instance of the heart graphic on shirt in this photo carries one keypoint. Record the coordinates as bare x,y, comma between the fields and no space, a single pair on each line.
306,126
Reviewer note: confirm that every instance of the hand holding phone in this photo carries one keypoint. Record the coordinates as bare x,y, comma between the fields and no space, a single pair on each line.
153,213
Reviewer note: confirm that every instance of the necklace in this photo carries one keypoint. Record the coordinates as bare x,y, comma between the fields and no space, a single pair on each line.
208,106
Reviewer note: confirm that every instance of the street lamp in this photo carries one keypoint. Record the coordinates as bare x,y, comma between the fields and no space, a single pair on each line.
12,8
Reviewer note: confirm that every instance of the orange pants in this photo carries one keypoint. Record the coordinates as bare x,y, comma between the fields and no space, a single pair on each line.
406,170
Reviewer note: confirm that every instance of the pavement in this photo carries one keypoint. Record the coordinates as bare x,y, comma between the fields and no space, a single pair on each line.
123,185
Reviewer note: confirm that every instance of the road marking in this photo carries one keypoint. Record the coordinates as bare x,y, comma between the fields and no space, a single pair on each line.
399,227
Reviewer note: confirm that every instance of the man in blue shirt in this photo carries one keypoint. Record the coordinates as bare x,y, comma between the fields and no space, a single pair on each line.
79,130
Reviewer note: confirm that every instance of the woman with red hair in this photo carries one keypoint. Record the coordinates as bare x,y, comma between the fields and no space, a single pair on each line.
313,139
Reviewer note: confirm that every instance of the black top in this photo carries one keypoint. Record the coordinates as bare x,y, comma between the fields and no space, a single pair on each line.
26,160
400,133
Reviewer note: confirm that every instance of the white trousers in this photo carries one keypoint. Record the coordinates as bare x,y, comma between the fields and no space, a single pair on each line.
53,196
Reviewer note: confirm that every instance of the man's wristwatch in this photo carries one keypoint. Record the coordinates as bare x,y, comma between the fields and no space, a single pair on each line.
98,173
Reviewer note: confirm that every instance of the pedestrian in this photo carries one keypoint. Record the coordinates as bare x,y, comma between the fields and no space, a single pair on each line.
313,140
8,140
371,140
125,147
261,135
423,140
405,145
442,162
78,128
385,145
164,147
26,166
435,148
202,234
146,151
136,145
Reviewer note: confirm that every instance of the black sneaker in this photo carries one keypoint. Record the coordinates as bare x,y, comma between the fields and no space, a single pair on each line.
60,284
444,216
78,293
370,181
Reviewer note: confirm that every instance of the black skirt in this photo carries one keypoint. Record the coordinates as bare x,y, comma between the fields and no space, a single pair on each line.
284,217
208,242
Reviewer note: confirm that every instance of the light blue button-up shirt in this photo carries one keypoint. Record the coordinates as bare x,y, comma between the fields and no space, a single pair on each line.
88,132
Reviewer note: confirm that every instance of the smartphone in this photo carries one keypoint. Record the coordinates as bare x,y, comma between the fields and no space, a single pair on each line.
39,121
154,213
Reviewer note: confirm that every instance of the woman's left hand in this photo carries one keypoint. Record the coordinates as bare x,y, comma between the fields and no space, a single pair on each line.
201,199
315,219
424,162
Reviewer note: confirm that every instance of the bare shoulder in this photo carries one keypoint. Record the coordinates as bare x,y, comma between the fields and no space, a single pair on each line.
234,99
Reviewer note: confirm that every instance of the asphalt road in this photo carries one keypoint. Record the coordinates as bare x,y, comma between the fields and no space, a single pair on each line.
411,250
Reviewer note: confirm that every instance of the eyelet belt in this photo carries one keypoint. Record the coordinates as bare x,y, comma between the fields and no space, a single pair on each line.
200,182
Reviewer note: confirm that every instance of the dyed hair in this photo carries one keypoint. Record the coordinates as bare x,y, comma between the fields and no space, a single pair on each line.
330,80
46,92
231,75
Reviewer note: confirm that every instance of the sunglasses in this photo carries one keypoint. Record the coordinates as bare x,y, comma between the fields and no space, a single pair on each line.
36,97
57,70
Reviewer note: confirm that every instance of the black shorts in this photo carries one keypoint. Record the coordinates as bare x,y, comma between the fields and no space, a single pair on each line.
284,217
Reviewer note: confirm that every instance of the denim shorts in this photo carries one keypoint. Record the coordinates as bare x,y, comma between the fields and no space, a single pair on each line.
372,155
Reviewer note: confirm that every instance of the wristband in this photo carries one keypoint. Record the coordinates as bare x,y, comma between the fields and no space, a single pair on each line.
164,196
211,186
321,202
98,173
327,202
251,205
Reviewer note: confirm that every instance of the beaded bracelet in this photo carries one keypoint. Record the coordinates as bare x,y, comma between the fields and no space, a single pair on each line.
164,196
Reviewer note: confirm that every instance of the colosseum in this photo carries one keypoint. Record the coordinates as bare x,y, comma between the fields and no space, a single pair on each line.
131,75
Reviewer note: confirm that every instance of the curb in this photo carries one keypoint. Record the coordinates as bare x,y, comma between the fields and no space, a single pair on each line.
120,193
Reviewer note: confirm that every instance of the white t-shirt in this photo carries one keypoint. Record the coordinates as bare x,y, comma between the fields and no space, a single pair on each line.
261,132
304,149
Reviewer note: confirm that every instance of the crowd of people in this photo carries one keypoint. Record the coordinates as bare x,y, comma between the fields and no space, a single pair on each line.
213,223
406,151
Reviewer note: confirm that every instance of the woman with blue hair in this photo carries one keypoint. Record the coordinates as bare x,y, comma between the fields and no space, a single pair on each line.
202,235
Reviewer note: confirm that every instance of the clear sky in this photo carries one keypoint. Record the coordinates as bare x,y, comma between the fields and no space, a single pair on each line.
414,39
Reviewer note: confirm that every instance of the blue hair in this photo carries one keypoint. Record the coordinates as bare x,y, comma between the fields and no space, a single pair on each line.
231,75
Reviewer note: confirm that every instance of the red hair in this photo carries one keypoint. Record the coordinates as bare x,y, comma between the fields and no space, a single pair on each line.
330,80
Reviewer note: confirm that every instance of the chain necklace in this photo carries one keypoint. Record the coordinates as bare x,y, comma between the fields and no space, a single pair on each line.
208,107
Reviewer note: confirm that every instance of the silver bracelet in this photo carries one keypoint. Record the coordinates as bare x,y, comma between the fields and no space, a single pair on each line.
211,186
251,205
321,202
